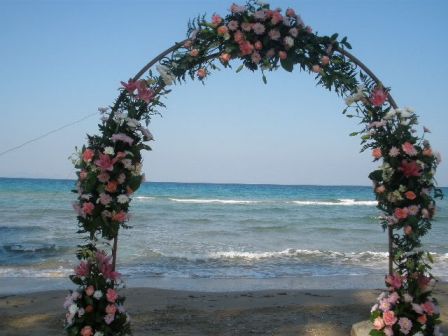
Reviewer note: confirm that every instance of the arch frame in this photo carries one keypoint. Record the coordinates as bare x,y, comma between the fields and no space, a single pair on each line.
109,167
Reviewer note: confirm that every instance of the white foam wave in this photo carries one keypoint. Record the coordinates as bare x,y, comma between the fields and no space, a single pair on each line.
32,272
206,201
149,198
343,202
296,253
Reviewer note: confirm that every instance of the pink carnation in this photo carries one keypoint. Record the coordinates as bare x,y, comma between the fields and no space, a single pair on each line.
105,199
260,15
409,149
246,26
393,298
405,325
103,177
233,25
258,28
394,151
276,17
236,9
123,138
388,331
274,34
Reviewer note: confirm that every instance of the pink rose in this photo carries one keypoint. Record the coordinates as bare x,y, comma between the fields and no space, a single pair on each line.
238,36
90,290
401,213
428,307
246,48
378,324
276,17
88,208
389,318
222,30
258,45
378,96
87,331
216,20
111,295
201,73
120,217
103,177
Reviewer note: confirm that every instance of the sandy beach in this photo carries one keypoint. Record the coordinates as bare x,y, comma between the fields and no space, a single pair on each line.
169,312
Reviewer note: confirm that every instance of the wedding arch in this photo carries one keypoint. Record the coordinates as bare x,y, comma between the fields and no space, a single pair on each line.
265,39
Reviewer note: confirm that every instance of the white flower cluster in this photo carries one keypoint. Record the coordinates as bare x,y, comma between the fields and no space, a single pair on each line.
166,74
357,96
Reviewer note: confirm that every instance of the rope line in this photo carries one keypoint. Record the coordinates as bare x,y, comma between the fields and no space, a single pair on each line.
48,133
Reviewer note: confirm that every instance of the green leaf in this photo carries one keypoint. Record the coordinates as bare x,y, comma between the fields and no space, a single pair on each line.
240,68
264,79
430,258
353,134
287,64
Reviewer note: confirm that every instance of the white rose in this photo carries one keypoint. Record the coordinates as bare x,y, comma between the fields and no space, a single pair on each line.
98,294
73,309
109,150
390,115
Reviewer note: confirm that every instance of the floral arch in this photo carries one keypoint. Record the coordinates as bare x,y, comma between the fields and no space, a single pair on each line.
265,39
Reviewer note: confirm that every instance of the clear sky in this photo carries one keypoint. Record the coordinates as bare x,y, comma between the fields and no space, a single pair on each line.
60,60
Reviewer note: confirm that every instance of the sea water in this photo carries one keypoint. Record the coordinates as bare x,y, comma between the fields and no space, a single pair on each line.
186,233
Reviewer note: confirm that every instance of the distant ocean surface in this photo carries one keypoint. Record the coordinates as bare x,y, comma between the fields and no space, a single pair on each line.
184,231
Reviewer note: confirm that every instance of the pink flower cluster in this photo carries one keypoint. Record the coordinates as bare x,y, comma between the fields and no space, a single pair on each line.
141,86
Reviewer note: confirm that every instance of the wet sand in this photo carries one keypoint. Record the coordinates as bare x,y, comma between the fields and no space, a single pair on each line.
172,312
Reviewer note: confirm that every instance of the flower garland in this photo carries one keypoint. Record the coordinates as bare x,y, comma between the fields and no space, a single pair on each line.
109,167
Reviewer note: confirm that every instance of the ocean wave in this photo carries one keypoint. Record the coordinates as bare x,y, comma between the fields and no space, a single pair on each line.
33,272
31,248
143,198
207,201
343,202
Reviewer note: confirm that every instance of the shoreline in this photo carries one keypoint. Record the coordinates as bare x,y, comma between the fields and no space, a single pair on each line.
173,312
22,285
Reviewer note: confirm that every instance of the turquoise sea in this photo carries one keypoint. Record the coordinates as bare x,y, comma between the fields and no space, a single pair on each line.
184,233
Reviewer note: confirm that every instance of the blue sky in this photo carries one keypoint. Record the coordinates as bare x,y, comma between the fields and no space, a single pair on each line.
60,60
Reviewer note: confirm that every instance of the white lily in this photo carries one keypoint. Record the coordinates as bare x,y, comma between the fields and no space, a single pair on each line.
166,74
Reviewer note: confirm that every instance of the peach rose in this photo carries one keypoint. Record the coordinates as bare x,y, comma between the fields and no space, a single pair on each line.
427,152
378,324
401,213
90,290
258,45
111,186
202,73
316,68
422,319
376,153
194,52
325,60
389,318
283,55
225,58
223,30
88,155
407,230
410,195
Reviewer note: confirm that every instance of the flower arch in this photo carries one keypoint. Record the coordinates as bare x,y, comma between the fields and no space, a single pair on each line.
265,39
